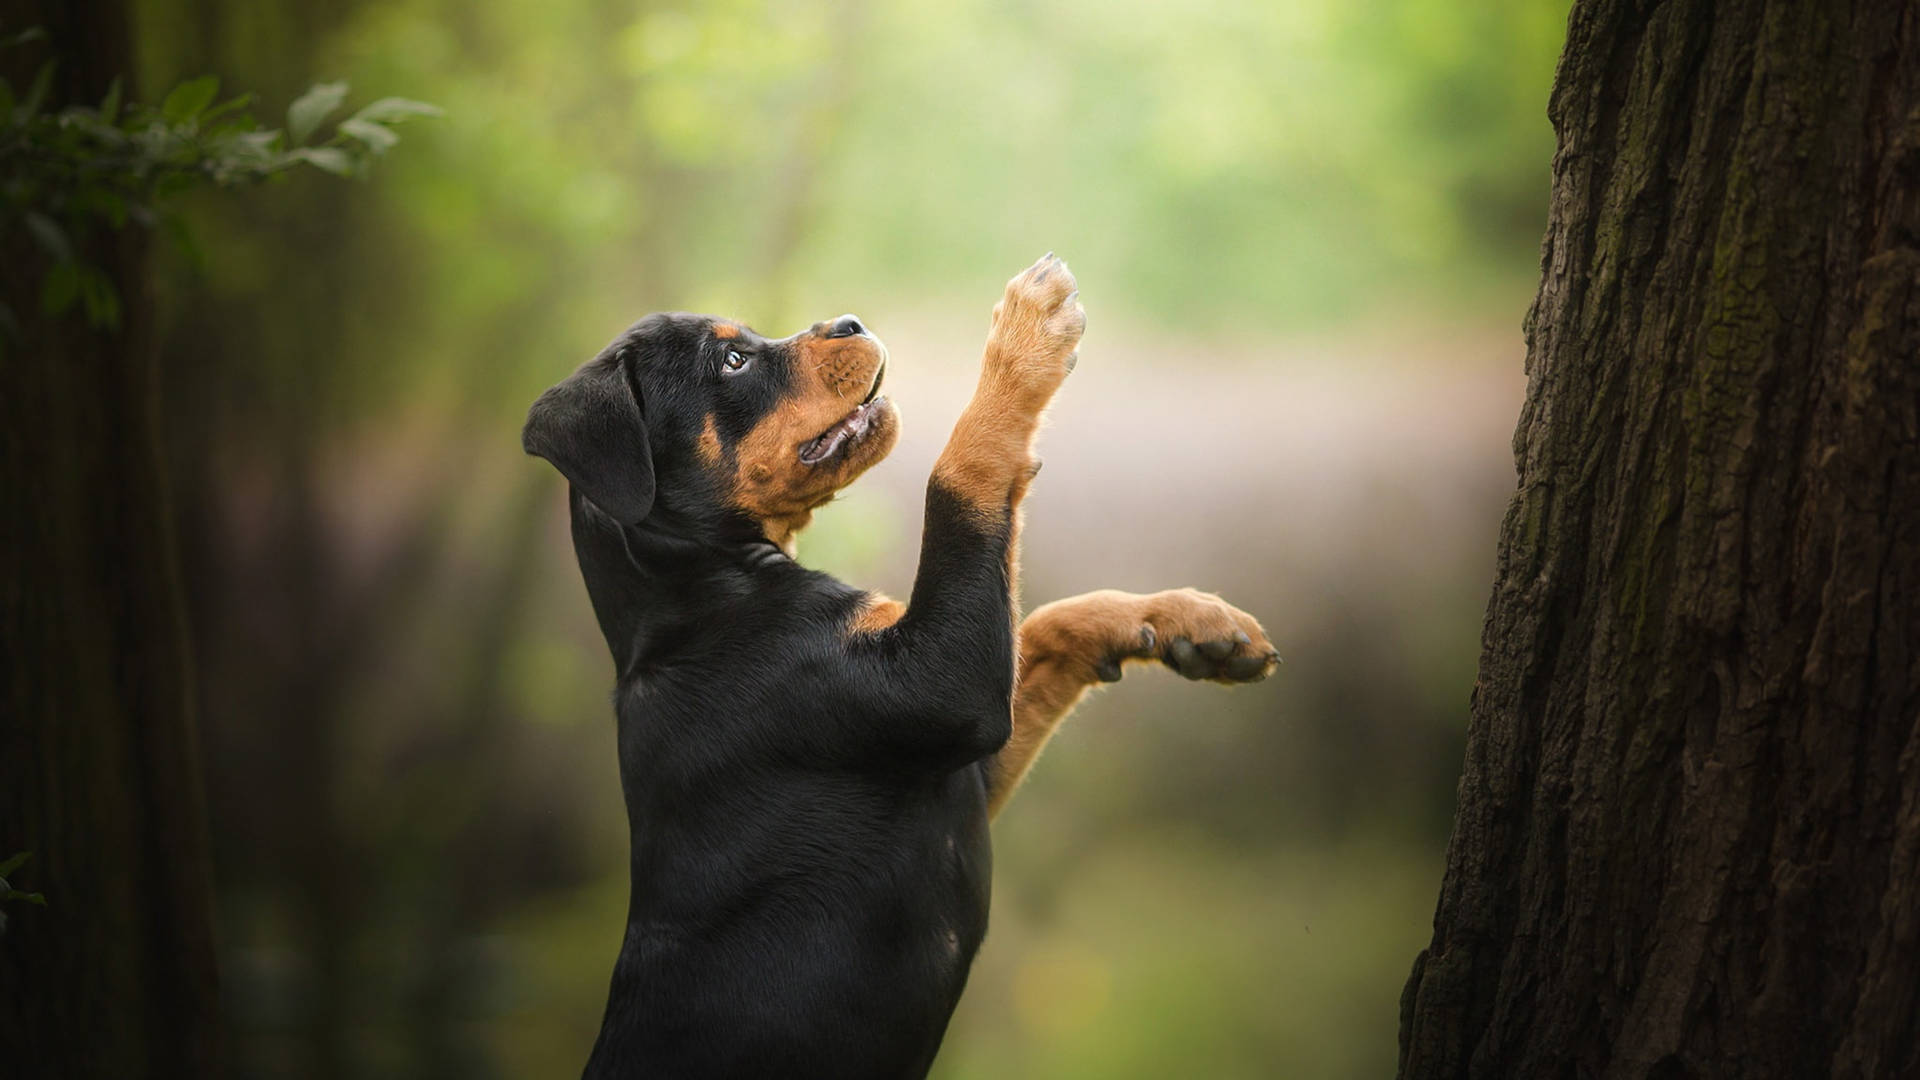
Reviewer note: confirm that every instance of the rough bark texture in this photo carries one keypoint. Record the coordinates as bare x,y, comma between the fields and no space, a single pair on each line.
1688,840
98,767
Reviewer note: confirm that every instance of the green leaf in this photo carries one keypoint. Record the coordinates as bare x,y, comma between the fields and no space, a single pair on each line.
31,33
226,107
37,94
388,110
49,235
102,301
110,105
14,862
29,897
60,289
305,114
255,148
87,125
185,101
332,159
377,137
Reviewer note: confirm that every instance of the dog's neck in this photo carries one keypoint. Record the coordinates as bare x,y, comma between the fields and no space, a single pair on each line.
783,532
649,582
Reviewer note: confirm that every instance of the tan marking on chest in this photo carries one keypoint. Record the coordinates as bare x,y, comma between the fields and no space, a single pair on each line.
877,612
785,531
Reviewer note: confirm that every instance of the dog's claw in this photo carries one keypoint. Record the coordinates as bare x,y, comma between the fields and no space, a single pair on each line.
1247,668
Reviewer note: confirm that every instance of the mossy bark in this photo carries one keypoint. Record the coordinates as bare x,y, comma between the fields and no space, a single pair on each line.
99,773
1688,840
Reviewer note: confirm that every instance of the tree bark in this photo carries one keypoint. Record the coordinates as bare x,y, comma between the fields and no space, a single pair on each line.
1688,840
99,774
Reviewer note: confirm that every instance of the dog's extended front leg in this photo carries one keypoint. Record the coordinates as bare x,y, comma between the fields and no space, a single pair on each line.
989,462
952,647
1071,645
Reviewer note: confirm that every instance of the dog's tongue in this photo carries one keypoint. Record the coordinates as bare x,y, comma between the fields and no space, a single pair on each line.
823,447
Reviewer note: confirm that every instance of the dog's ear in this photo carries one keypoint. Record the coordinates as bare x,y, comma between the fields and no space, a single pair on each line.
589,426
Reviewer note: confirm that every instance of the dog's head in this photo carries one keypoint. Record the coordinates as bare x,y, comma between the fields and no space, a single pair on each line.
705,419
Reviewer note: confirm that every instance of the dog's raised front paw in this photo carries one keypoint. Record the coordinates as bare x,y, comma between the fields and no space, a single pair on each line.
1036,331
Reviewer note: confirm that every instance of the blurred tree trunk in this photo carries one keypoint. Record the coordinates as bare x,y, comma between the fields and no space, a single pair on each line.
98,765
1688,840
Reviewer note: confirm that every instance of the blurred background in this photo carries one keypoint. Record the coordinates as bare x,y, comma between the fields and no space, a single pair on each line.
1306,234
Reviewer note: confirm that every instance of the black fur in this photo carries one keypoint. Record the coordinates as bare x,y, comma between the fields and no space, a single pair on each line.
810,858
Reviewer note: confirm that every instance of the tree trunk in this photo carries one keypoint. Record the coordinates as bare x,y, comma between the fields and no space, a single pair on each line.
1688,840
98,766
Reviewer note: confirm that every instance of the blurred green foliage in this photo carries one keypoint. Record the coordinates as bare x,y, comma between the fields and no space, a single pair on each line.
9,894
74,170
1225,164
1293,224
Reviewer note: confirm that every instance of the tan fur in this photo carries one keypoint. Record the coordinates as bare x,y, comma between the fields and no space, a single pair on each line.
1064,647
876,613
988,461
725,330
1063,643
1034,337
709,445
785,532
770,482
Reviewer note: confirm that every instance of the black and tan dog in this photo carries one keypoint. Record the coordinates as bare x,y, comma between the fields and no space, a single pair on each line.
809,768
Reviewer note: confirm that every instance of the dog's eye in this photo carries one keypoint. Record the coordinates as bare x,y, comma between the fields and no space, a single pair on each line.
734,364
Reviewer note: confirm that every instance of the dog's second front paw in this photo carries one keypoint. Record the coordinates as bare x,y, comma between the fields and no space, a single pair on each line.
1202,636
1036,332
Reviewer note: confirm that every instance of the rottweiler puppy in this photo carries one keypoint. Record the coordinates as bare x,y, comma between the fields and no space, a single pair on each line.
809,769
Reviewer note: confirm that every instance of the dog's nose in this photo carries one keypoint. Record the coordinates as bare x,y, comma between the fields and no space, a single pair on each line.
845,326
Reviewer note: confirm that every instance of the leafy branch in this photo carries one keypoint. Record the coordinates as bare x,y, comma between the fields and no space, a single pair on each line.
67,173
9,893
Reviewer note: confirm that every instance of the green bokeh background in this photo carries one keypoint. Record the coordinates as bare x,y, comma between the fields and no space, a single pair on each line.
1306,234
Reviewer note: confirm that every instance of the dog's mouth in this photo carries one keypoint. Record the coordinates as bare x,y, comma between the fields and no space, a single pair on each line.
850,428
